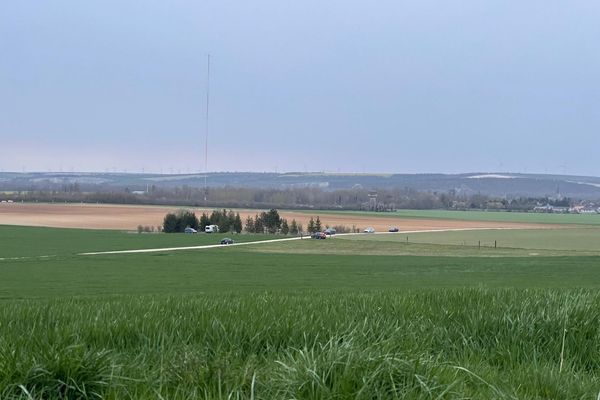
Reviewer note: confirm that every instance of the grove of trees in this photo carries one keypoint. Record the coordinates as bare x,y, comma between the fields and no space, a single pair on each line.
228,221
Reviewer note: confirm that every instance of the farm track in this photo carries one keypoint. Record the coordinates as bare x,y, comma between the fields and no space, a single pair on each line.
213,246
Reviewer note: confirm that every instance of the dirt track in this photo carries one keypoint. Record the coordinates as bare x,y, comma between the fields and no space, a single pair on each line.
128,217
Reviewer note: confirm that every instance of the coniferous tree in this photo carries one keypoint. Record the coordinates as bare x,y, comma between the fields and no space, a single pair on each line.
293,227
186,219
170,223
250,225
285,229
272,220
204,221
237,223
259,226
311,225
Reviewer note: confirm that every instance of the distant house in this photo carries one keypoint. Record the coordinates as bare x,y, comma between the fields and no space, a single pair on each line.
551,209
543,209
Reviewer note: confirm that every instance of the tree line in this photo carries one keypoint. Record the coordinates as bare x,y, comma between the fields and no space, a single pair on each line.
271,222
228,221
266,222
290,198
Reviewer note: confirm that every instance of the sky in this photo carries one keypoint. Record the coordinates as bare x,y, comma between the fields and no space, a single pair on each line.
336,86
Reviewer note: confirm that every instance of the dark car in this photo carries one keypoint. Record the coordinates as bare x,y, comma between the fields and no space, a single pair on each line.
394,229
227,241
318,235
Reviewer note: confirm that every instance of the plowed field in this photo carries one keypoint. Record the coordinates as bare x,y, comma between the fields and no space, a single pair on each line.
128,217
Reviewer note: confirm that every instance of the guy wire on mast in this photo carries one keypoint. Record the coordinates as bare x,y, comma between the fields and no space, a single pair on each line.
206,137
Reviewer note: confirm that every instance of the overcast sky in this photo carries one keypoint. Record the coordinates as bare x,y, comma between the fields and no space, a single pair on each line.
349,86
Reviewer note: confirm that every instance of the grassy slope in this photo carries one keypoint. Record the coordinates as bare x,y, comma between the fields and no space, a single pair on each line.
582,239
242,323
378,246
441,344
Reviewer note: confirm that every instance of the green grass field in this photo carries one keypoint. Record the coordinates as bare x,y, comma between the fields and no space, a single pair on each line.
493,216
20,241
366,317
572,239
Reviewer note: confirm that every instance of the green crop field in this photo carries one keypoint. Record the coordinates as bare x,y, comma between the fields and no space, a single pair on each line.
498,216
20,241
366,317
492,216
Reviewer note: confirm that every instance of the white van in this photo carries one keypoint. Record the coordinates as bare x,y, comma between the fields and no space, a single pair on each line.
211,229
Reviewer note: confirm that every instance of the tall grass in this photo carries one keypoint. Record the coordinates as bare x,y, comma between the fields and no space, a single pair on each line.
443,344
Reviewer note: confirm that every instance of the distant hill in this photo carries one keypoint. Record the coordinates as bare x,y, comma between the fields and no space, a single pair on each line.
493,184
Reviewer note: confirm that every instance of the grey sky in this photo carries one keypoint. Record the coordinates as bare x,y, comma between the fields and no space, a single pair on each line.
386,86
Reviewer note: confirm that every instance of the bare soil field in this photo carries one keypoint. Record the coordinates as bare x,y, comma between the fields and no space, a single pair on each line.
128,217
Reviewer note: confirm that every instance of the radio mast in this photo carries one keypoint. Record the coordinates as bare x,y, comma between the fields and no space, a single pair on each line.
206,131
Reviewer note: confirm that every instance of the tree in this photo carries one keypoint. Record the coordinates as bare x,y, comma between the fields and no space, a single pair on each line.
225,224
186,219
272,220
293,227
204,221
311,225
285,229
259,226
170,223
250,225
237,223
318,225
231,220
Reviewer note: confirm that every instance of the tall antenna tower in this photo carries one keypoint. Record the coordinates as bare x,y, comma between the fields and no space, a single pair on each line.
206,129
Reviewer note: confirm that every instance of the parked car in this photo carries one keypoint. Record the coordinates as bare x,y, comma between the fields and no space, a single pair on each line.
211,229
393,229
329,231
370,229
319,235
189,230
226,241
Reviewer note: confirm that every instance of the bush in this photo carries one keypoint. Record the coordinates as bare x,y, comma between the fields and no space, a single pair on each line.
342,229
170,223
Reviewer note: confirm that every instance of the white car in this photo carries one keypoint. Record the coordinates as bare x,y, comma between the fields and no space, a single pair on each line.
369,230
189,230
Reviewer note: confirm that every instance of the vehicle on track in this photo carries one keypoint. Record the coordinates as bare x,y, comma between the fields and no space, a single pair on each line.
226,241
330,231
394,229
319,235
190,230
369,229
